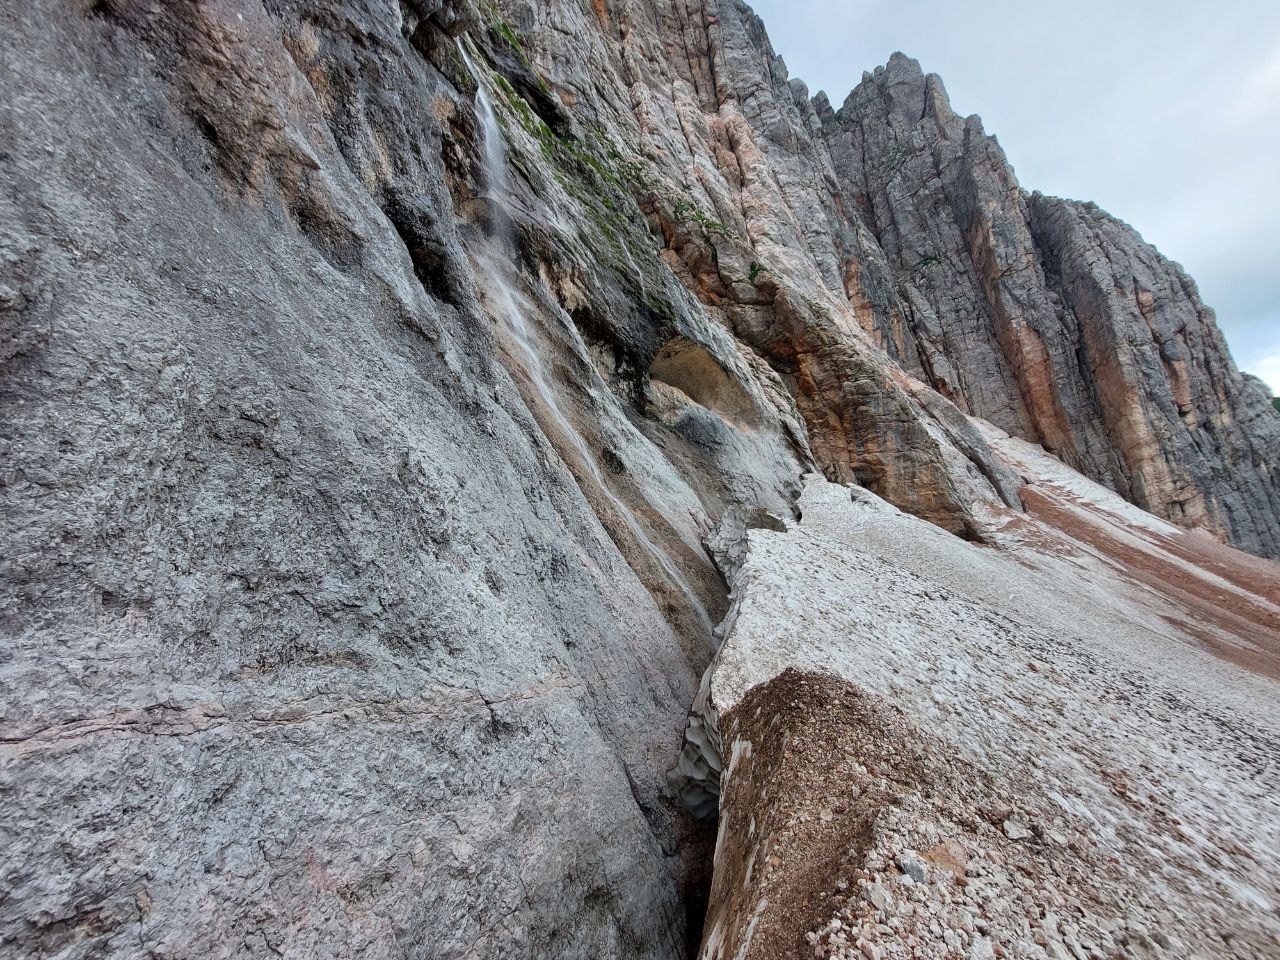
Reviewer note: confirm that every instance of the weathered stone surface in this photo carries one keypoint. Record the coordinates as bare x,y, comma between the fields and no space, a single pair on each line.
739,183
314,645
1197,442
355,496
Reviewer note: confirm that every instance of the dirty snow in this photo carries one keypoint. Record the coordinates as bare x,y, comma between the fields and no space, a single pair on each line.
1134,752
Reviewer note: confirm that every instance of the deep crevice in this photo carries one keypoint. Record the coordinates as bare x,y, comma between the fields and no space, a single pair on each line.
695,887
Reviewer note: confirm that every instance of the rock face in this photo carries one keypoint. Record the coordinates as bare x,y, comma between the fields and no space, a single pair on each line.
316,642
1049,318
361,445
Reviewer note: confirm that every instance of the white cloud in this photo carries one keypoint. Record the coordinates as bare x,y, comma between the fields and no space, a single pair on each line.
1258,96
1267,367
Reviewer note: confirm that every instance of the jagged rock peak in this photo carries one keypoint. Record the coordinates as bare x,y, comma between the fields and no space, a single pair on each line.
905,87
1048,317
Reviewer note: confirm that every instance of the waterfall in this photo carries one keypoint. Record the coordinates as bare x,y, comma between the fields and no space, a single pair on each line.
493,256
493,147
507,306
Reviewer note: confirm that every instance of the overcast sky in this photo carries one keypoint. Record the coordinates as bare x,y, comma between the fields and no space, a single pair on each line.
1166,113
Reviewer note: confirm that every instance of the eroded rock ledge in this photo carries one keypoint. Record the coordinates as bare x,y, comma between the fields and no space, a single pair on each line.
932,749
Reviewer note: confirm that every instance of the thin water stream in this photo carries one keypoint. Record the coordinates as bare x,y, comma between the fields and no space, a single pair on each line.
505,304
